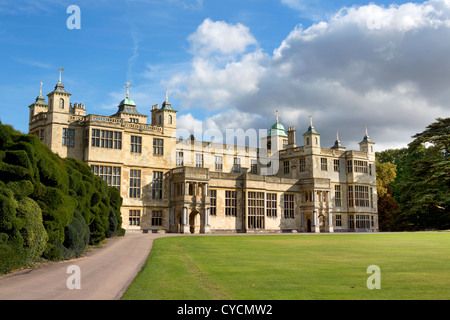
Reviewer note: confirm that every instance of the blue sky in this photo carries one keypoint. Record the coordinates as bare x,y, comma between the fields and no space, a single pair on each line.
233,63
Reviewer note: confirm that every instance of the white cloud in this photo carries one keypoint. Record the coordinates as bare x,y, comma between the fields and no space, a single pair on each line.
220,37
384,67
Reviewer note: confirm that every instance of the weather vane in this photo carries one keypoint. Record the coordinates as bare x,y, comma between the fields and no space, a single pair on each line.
128,89
61,69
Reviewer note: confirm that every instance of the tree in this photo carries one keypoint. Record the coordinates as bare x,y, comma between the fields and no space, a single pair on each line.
423,189
387,206
422,183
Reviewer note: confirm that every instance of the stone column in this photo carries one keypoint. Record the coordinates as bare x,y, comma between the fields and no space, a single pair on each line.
316,227
207,226
330,221
184,221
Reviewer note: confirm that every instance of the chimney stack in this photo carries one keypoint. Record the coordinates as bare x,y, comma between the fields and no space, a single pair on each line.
291,137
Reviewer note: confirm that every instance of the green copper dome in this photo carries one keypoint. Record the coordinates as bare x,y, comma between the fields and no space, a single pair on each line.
127,106
128,102
277,130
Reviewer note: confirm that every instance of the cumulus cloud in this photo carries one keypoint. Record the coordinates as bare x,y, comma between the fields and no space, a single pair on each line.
220,37
384,67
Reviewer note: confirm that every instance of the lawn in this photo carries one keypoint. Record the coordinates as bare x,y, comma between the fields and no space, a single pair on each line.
288,267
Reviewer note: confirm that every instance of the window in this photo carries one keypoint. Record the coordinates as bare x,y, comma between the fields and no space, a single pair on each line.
68,138
179,159
157,218
307,141
285,143
106,139
158,146
253,166
134,218
371,198
358,196
271,204
236,165
323,164
337,196
302,165
134,120
157,185
213,195
288,206
351,222
362,221
337,166
61,103
95,138
135,183
230,203
117,140
350,196
42,135
110,174
199,160
286,167
136,144
362,196
338,220
256,210
349,166
361,166
218,160
370,169
170,119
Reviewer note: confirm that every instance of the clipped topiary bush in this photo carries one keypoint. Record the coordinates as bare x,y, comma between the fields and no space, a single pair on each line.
49,207
33,232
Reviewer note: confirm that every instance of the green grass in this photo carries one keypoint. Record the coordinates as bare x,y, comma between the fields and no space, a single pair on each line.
274,267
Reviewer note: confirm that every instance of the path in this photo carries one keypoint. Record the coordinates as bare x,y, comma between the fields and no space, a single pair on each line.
105,273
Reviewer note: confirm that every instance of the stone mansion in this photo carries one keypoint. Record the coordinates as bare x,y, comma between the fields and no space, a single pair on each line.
189,186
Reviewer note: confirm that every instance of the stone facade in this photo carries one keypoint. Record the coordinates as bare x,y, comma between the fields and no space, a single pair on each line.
184,185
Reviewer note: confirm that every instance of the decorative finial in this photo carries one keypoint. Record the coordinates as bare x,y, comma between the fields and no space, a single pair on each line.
40,91
310,121
61,69
277,114
366,131
167,95
337,135
128,89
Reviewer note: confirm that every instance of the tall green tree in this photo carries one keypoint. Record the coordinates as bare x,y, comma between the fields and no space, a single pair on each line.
387,205
429,181
422,183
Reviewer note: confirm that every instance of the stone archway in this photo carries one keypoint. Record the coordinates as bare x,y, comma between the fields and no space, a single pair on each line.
194,222
322,223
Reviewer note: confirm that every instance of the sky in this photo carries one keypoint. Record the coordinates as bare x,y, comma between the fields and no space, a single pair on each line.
233,64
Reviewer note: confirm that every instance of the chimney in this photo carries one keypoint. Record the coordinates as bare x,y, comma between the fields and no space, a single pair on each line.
291,137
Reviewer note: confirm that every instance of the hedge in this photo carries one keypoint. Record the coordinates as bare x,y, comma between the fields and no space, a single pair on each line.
50,207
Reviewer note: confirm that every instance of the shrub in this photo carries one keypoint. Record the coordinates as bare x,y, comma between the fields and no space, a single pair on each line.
49,206
76,236
33,232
